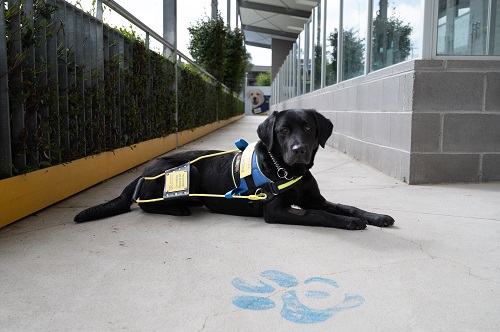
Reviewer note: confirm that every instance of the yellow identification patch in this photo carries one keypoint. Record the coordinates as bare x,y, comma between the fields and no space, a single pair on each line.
176,181
246,161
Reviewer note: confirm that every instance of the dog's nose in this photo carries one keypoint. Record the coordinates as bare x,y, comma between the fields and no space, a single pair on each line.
298,149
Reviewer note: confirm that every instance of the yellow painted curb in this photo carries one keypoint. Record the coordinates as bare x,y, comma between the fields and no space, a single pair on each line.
25,194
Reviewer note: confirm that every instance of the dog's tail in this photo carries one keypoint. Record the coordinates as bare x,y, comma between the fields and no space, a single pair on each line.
116,206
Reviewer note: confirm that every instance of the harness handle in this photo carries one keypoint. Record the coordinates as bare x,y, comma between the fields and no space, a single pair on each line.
213,155
273,188
135,195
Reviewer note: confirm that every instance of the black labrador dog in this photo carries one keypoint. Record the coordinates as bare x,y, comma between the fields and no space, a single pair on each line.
288,144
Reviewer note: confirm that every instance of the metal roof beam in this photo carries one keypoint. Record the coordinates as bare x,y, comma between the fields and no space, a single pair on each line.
274,9
250,43
277,33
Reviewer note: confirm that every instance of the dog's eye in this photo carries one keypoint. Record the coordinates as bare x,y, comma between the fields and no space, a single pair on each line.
284,130
307,129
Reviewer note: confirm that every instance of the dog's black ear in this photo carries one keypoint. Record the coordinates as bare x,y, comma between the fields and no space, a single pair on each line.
324,127
266,130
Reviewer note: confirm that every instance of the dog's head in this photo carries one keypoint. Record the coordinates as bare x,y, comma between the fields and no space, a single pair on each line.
295,135
256,97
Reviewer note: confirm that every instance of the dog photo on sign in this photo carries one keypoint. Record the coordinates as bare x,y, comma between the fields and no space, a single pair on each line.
272,180
259,101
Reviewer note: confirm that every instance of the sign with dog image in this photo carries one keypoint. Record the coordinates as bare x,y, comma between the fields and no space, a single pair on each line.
257,99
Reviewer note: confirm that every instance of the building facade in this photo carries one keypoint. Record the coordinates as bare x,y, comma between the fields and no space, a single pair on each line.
411,86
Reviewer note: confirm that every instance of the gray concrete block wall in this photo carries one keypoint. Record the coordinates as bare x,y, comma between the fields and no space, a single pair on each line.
437,168
372,120
456,122
420,121
426,132
471,132
451,91
492,95
491,167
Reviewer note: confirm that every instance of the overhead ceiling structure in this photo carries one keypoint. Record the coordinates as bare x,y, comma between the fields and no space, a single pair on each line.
263,20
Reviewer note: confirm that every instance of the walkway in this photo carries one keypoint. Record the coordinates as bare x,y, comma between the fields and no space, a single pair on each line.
437,269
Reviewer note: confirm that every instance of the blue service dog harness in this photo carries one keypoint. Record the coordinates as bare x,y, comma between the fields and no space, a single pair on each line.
252,184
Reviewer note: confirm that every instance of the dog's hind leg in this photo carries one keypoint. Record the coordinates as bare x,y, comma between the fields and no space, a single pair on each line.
175,207
173,210
116,206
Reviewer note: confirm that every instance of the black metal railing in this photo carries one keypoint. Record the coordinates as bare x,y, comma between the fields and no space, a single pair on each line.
71,86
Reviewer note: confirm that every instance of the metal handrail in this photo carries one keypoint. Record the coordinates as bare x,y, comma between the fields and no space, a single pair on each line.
134,20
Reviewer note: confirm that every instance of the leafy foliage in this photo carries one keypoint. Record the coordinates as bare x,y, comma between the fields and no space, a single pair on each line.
207,45
391,39
65,106
318,54
236,60
264,79
353,57
220,51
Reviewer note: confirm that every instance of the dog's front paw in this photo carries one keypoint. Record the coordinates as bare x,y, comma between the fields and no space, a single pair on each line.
380,220
355,224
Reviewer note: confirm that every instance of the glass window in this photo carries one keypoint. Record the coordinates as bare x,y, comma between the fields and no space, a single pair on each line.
354,18
396,32
295,64
287,81
494,36
332,34
468,27
309,55
317,51
301,60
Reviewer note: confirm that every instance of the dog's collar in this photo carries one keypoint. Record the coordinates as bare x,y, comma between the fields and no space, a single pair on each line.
281,172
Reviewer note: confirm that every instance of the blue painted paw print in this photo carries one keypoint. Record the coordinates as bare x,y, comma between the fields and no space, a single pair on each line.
294,309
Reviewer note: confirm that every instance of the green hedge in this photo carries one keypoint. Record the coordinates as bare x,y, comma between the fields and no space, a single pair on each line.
201,102
64,107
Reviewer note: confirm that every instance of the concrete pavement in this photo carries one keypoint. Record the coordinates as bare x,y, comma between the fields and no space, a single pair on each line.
436,269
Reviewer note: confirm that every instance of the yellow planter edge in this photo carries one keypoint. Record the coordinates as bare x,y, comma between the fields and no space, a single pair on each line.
28,193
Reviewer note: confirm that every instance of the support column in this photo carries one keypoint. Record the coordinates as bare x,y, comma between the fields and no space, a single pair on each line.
280,49
169,24
170,35
214,8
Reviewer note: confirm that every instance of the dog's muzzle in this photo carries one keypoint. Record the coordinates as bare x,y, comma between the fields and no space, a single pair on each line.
298,154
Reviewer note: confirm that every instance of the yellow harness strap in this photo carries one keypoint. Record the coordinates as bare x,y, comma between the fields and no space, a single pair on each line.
255,197
259,194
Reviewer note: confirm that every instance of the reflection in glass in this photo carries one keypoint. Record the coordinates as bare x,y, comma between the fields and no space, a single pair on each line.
468,27
289,75
301,53
393,33
317,49
332,24
354,18
494,34
309,54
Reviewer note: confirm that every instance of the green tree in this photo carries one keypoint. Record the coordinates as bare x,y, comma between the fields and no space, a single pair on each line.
318,53
264,79
236,60
391,38
220,51
353,55
207,44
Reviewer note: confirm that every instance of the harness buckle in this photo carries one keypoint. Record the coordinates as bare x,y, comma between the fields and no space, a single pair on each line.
274,188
